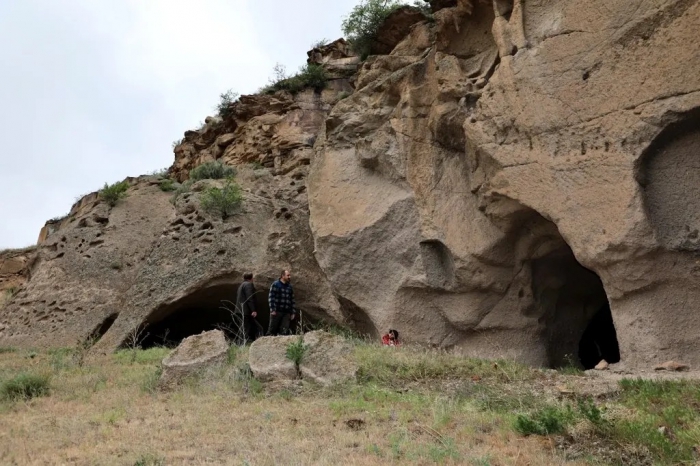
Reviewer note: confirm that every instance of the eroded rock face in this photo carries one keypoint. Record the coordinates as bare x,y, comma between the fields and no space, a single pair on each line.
112,273
194,356
478,168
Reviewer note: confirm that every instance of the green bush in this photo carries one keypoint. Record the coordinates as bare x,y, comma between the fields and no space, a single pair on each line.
212,171
225,107
111,193
222,201
167,185
25,387
309,76
296,351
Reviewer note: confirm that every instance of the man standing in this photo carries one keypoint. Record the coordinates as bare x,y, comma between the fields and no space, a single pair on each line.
245,303
281,305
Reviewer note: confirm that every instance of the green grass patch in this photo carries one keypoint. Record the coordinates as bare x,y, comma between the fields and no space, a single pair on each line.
25,387
397,365
141,356
546,421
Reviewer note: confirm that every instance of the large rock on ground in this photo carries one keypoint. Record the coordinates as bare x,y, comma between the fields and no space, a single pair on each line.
268,359
194,356
328,359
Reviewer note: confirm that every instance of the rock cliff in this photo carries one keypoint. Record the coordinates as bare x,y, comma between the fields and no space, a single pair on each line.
506,178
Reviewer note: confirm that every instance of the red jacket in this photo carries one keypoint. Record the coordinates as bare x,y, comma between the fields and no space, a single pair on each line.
387,341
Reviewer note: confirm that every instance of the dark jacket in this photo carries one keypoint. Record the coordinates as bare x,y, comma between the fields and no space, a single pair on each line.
281,298
245,299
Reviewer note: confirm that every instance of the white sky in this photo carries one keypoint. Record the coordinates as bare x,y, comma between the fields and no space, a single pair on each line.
93,91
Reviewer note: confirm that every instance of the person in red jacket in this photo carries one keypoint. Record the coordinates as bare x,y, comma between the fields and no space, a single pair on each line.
391,338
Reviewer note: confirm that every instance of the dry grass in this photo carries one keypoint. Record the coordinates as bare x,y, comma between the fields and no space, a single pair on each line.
106,413
410,406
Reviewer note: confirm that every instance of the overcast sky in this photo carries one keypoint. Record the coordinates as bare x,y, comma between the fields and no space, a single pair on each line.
93,91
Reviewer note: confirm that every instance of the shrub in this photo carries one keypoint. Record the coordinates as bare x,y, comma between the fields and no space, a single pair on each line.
212,171
167,185
111,193
25,387
362,24
225,107
296,351
309,76
320,43
222,201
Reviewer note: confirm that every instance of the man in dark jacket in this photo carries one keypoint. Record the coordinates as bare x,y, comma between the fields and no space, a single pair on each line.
245,303
281,305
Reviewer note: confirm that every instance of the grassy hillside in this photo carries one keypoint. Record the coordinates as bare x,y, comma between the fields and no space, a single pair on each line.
409,406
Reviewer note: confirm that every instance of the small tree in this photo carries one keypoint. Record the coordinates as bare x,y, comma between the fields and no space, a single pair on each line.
222,201
362,24
212,171
225,106
111,193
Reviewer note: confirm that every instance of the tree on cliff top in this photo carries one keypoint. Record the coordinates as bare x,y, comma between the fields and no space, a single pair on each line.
362,24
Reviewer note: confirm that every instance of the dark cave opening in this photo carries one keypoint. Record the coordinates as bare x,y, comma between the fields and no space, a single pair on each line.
203,310
578,323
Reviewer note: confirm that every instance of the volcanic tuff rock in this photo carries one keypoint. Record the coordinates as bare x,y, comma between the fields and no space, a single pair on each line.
194,356
490,184
455,193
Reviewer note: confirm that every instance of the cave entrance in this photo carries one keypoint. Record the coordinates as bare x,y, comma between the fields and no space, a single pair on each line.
574,308
197,312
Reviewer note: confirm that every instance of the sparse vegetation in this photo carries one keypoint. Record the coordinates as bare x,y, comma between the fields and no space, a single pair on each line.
296,351
223,201
212,171
25,386
256,165
362,24
181,189
167,185
343,95
225,107
320,43
177,142
309,76
112,193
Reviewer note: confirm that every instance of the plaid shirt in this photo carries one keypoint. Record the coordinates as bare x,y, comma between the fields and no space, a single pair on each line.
281,298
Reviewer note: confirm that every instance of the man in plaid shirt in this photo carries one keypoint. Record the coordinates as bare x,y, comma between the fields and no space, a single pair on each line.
281,305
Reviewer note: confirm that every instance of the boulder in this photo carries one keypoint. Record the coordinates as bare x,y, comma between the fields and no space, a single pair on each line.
328,359
268,359
193,356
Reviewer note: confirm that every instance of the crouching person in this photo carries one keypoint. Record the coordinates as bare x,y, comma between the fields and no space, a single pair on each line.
281,299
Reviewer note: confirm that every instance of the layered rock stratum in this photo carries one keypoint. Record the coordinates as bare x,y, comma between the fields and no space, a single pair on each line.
488,181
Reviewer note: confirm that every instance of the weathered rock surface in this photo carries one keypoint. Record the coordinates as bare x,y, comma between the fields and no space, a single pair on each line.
328,359
268,359
194,356
501,175
106,272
